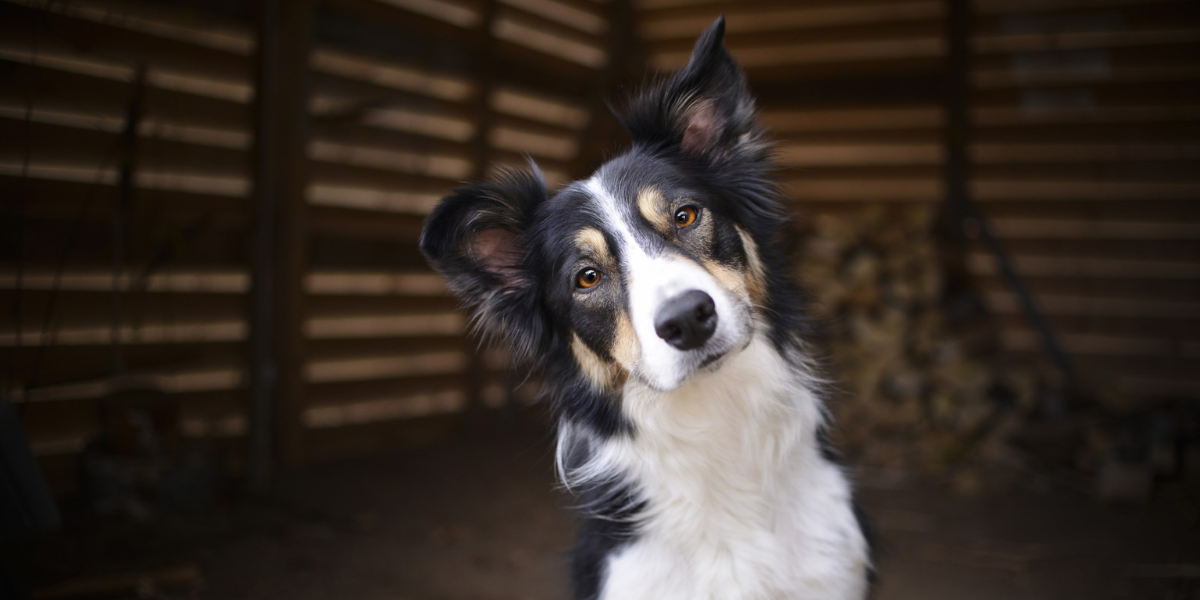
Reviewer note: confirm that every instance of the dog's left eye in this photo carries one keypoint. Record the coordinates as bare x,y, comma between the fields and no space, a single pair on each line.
685,216
587,278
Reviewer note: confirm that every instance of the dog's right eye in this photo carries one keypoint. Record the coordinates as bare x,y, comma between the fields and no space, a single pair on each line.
587,278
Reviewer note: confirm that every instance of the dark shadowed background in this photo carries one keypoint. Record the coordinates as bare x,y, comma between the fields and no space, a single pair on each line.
227,372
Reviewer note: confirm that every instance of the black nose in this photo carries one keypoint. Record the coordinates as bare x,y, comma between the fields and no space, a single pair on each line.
687,320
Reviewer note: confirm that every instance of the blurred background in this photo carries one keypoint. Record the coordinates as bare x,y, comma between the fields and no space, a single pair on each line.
228,373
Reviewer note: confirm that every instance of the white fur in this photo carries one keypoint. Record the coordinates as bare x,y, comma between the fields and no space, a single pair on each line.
741,504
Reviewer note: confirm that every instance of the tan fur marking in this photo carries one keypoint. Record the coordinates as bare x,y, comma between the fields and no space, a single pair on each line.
653,208
590,241
757,280
730,279
602,374
625,347
596,370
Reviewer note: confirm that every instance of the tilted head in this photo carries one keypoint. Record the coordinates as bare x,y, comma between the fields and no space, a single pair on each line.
655,269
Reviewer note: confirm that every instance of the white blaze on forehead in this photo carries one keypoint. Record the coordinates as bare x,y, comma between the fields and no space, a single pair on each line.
652,280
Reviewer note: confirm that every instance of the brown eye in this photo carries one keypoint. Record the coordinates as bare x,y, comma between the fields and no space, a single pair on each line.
685,216
587,278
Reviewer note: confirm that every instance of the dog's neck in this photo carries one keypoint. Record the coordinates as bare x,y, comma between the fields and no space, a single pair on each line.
741,427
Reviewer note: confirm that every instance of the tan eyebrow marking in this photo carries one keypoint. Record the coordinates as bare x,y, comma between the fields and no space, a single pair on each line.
653,208
590,241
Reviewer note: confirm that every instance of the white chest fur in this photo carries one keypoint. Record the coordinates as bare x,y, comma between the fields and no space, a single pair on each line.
741,504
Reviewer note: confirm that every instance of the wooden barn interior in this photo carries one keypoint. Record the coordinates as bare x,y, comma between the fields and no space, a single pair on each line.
228,372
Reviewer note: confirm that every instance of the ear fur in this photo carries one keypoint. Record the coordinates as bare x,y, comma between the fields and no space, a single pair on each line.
475,239
704,111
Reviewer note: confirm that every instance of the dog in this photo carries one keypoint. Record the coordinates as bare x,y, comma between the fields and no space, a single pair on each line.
656,299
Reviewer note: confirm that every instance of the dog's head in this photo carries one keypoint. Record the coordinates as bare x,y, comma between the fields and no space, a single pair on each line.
653,268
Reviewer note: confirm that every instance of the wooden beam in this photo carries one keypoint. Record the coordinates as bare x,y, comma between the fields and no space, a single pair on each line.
280,258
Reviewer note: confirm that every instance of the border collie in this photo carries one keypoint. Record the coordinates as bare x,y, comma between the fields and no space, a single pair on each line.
656,299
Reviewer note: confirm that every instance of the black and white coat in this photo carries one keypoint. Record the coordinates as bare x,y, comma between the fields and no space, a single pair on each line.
656,300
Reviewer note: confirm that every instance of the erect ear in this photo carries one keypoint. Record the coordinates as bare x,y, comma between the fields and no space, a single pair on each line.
475,239
705,111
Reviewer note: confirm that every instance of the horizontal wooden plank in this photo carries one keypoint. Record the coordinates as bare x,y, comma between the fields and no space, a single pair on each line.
780,120
908,67
1077,40
1093,229
53,89
1093,344
1129,17
351,132
1124,172
72,200
743,45
831,51
853,190
332,305
42,143
376,22
751,17
991,154
326,394
1056,304
1171,251
361,285
1096,94
1060,266
530,17
882,89
51,31
848,154
73,309
1049,190
85,244
349,251
1110,370
584,15
384,325
997,7
1133,210
177,370
1133,288
1129,326
384,367
334,222
337,349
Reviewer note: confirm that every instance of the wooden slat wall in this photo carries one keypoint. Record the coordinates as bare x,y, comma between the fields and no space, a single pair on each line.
396,106
65,90
393,131
1085,155
1087,159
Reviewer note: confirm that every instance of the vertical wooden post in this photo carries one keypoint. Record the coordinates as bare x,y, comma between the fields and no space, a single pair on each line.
481,157
281,239
959,214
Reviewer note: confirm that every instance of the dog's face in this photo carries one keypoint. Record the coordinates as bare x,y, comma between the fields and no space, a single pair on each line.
650,269
649,275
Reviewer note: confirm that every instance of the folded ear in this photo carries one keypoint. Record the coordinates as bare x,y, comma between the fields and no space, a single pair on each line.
704,111
475,239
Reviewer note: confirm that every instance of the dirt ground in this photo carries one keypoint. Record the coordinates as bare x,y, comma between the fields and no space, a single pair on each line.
481,519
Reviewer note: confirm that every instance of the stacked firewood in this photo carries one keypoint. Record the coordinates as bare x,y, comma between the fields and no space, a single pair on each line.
918,391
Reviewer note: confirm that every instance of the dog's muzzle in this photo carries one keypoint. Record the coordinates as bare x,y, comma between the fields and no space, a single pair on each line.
687,321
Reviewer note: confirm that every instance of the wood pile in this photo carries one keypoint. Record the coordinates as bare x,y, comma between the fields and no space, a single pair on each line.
919,391
924,384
